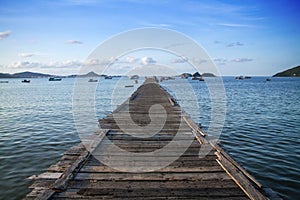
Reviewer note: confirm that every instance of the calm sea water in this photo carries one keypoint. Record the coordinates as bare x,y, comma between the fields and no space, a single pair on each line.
261,130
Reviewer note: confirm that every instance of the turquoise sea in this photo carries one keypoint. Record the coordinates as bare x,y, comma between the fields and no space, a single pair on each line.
261,129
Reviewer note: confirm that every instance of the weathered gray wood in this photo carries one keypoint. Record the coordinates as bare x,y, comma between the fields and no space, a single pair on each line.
153,176
173,184
46,175
104,169
62,182
157,193
240,179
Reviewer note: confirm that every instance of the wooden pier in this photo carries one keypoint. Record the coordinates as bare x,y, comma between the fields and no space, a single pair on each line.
215,175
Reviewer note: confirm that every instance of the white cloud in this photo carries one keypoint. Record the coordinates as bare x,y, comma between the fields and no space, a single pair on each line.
234,44
222,60
26,55
239,60
130,59
73,42
199,61
58,64
4,34
147,60
24,65
102,62
160,25
62,64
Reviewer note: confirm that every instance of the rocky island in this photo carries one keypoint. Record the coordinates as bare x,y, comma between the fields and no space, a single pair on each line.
293,72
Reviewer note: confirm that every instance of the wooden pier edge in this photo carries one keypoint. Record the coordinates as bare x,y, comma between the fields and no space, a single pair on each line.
59,175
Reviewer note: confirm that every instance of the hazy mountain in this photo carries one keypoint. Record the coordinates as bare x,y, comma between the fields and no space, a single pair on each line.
90,74
40,75
24,75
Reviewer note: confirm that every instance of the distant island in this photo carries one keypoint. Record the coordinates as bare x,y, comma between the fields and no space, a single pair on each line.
41,75
24,75
196,74
208,75
293,72
28,74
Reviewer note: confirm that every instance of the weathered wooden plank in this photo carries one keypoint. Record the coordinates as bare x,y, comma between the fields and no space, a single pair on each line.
152,176
240,179
42,184
62,182
177,163
46,175
104,169
75,196
173,184
157,192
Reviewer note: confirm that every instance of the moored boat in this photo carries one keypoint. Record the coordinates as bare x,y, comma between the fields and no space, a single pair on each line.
108,77
54,79
93,80
26,81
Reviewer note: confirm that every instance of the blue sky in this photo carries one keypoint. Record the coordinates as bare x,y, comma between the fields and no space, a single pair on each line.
243,37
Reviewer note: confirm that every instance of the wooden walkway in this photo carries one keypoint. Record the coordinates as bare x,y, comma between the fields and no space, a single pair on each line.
79,175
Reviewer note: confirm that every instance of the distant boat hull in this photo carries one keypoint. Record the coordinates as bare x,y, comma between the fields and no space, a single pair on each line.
93,80
26,81
54,79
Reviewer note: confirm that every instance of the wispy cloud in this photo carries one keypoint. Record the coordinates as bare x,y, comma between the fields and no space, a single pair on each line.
26,55
179,60
99,62
73,42
235,25
159,25
233,44
240,60
31,65
220,61
4,34
24,65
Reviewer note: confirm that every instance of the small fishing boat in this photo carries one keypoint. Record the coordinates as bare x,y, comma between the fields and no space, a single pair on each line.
26,81
129,86
268,79
240,78
93,80
54,79
108,77
200,79
3,81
